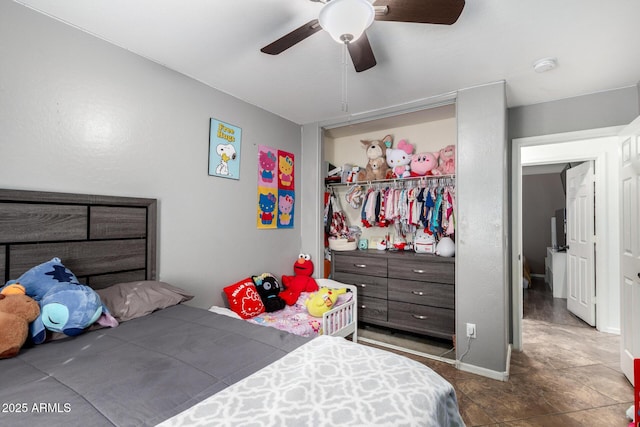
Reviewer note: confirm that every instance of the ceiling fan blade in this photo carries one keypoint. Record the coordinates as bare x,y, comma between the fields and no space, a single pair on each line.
361,53
444,12
295,36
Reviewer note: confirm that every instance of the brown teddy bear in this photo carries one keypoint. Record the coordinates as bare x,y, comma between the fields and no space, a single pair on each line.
377,167
16,312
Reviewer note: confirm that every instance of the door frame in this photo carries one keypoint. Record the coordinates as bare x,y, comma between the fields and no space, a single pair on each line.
600,145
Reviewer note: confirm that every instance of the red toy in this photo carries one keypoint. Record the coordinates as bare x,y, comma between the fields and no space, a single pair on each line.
301,282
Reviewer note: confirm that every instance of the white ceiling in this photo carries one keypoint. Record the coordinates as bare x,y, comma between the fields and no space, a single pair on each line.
217,42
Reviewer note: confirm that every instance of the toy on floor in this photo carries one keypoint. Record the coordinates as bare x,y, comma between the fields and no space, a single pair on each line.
323,300
300,282
16,311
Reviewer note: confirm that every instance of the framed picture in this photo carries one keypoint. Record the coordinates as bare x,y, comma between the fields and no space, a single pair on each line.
224,149
276,188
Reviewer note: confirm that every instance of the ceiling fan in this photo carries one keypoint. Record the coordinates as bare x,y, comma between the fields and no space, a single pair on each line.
445,12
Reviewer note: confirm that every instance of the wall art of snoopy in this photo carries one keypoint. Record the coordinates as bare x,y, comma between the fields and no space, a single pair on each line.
224,149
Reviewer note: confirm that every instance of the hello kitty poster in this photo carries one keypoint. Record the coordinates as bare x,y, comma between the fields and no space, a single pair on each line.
276,188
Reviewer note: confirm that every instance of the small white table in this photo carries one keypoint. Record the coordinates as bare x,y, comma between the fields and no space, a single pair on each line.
556,272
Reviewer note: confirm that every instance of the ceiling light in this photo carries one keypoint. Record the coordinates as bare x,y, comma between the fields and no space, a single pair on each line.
346,20
545,64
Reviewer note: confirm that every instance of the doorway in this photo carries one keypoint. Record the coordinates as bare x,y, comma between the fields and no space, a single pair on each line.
601,146
553,231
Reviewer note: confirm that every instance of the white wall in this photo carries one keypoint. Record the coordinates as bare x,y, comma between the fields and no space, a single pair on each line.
605,151
80,115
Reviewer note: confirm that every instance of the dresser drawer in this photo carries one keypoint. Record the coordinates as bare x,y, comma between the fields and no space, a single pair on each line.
422,293
423,319
372,309
367,265
431,269
370,286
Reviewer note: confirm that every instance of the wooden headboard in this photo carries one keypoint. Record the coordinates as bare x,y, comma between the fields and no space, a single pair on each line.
102,239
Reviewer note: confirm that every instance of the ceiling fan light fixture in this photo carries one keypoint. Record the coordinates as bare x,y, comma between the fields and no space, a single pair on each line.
346,20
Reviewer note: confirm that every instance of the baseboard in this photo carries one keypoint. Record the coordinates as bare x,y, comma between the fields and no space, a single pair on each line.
613,331
489,373
406,350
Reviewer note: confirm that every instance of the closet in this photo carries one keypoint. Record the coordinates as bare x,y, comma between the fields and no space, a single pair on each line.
399,290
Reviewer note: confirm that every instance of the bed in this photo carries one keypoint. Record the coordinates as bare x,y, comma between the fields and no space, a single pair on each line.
340,320
180,365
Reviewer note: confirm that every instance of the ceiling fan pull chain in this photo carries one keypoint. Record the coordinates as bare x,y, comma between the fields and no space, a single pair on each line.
345,103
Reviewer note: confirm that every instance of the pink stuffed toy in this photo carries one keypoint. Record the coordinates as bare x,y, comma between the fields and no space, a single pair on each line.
447,161
399,159
301,282
423,164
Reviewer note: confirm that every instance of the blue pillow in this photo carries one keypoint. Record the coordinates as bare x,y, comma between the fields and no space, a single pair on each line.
39,279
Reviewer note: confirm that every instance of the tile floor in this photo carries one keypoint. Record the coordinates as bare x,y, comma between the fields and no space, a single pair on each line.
567,375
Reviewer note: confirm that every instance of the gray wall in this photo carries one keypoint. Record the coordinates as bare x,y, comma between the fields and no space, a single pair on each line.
541,196
78,114
481,237
599,110
482,251
603,109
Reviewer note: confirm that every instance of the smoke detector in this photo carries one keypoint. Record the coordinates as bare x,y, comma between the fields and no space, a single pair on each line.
545,64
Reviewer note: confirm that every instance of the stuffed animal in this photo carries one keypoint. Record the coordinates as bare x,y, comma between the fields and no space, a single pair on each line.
322,301
300,282
66,306
378,169
446,161
69,309
424,163
399,159
446,247
269,290
13,289
16,311
376,162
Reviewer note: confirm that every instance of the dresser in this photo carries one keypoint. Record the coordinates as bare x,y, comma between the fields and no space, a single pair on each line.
401,290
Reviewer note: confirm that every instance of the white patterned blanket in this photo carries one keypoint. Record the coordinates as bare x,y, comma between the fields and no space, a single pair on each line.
330,381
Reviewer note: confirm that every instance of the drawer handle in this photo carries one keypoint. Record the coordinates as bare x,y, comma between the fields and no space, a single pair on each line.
417,293
419,271
363,306
363,285
420,317
360,265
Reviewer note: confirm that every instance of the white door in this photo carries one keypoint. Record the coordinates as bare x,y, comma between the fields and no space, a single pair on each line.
581,289
630,253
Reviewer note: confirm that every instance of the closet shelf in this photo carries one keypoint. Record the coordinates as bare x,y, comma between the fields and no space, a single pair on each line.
429,178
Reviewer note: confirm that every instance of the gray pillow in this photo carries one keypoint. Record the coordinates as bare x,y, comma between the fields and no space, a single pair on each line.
129,300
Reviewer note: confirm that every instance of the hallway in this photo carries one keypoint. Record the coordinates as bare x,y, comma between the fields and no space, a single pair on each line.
567,375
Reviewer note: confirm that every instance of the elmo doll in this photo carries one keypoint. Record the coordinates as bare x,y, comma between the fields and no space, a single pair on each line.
301,282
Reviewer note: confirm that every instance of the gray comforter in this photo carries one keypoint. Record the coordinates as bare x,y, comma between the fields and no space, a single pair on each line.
142,372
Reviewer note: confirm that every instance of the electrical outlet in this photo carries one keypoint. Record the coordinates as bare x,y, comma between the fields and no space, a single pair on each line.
471,330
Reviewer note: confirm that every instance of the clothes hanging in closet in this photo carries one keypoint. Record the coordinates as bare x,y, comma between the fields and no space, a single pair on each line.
408,207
